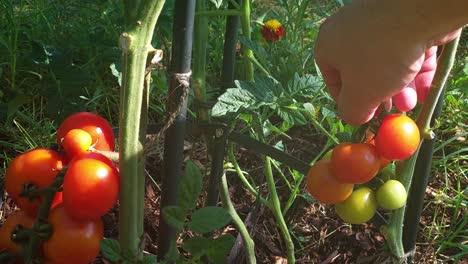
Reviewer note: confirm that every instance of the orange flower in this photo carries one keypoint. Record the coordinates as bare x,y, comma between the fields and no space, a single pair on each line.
272,30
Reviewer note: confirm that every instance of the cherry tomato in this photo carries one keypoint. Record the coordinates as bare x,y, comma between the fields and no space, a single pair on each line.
391,195
38,166
76,141
371,140
98,127
397,137
73,241
18,217
91,186
359,208
324,187
355,162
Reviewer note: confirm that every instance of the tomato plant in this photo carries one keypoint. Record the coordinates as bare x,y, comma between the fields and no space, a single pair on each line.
324,187
18,217
98,127
39,167
359,208
91,186
76,141
397,137
72,241
355,162
391,195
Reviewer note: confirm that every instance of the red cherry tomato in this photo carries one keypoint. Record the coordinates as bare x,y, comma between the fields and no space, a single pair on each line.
354,162
91,186
397,137
76,141
324,187
98,127
73,241
38,166
18,217
371,140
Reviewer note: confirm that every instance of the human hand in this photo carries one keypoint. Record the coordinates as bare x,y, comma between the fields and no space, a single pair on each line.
367,57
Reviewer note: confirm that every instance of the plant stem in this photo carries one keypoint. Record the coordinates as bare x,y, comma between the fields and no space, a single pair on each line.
229,50
393,231
246,31
184,15
275,207
140,18
248,242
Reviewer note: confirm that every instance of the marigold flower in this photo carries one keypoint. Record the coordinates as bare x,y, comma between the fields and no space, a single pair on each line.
272,30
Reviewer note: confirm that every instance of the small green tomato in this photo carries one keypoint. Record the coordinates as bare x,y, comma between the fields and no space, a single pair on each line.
391,195
359,208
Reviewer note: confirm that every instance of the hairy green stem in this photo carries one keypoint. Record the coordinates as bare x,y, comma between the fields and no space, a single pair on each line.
248,242
140,18
394,230
246,31
275,207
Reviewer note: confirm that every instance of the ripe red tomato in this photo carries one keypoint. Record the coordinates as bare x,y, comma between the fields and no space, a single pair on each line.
73,241
98,127
38,166
354,162
18,217
76,141
359,208
324,187
91,186
397,138
371,140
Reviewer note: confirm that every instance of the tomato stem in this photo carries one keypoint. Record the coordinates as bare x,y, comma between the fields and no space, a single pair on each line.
394,230
246,31
140,22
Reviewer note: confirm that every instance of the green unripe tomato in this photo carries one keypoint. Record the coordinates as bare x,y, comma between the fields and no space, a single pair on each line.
391,195
359,208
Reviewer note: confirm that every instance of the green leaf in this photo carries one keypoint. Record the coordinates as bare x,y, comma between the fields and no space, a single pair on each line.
255,47
306,86
116,73
197,246
110,249
233,100
190,186
150,259
344,137
208,219
174,216
217,3
220,248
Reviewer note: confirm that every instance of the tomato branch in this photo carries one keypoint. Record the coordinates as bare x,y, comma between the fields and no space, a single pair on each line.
393,231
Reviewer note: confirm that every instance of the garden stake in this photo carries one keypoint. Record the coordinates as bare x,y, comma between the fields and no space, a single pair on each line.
184,13
393,231
140,21
422,171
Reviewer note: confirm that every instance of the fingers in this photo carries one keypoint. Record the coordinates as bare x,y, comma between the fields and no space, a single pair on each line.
332,79
423,79
353,107
406,99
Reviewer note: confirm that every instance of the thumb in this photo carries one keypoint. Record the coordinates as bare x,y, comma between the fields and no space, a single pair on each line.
352,107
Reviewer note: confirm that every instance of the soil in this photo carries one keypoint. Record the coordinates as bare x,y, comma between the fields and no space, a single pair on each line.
319,235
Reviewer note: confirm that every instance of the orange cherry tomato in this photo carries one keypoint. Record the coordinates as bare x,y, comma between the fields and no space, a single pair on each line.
397,138
354,162
18,217
324,187
98,127
39,167
73,241
76,142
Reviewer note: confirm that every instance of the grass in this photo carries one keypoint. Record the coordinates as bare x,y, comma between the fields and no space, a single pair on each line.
56,57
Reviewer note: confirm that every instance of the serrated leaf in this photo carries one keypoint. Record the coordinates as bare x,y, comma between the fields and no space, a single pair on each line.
306,85
208,219
217,3
220,248
344,137
190,186
174,216
255,47
110,249
233,100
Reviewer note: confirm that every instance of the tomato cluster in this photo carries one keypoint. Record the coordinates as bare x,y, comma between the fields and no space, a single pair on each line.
340,178
90,189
